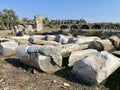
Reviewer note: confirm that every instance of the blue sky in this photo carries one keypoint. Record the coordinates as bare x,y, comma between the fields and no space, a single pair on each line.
91,10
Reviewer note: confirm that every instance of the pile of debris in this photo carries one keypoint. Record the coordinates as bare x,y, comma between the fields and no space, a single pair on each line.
20,30
90,56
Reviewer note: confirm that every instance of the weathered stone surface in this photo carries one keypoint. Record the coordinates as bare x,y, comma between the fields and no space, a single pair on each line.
23,54
20,27
115,41
8,48
101,45
39,22
96,68
71,40
82,39
26,37
43,42
28,29
96,45
68,48
116,53
107,44
17,29
62,39
77,55
38,41
52,51
46,57
41,37
21,40
50,37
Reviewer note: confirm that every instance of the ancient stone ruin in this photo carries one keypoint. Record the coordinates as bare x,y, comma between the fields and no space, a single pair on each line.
39,22
89,55
20,30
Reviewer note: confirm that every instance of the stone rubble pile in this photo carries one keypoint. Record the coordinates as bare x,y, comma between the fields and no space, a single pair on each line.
20,30
88,55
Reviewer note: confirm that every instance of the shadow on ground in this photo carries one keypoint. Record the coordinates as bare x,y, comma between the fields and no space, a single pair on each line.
112,82
67,74
16,63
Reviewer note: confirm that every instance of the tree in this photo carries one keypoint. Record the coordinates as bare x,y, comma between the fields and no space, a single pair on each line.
117,25
82,21
1,19
9,18
46,21
25,20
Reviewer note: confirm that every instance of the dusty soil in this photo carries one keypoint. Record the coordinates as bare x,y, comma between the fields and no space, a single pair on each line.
5,33
16,76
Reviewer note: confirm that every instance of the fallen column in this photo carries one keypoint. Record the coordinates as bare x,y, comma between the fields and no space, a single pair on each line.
46,57
82,40
43,42
68,48
101,45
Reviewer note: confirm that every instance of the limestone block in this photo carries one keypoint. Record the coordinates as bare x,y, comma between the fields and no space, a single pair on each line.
8,48
50,37
77,55
43,42
40,37
62,39
101,45
21,40
82,39
29,29
68,48
96,68
72,40
115,41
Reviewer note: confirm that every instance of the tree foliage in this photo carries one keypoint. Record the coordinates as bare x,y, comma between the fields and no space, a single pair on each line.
83,21
46,21
24,20
8,19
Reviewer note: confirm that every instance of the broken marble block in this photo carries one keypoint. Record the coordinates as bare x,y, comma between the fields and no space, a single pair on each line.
101,45
95,68
8,48
77,55
44,57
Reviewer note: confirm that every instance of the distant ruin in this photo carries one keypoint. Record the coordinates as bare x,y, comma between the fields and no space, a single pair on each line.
39,22
78,25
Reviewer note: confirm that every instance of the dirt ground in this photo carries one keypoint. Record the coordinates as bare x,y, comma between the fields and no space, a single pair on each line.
16,76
